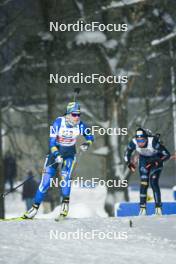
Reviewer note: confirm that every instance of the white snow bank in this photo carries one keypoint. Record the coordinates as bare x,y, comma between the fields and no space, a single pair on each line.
84,202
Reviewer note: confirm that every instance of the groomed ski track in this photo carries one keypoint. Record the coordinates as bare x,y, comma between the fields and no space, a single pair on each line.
150,240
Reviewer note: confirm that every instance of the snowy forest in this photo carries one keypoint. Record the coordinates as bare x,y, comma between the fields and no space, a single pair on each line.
29,103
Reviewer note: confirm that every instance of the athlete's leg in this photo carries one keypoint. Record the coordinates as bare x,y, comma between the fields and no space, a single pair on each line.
154,182
49,171
144,176
66,174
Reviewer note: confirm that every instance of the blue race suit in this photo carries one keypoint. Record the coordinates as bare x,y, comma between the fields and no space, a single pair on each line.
62,142
153,153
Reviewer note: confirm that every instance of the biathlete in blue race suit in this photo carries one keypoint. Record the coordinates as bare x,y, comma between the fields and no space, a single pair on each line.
62,150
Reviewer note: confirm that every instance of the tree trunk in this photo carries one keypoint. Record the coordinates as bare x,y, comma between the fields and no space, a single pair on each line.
116,193
173,85
50,11
46,9
1,170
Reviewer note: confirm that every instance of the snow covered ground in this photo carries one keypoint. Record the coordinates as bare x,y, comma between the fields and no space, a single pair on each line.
150,240
83,238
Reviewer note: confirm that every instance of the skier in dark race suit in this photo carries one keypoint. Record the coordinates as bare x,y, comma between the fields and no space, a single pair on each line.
152,155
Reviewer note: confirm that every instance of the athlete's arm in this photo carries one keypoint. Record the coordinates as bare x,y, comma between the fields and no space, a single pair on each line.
86,132
164,153
53,135
130,148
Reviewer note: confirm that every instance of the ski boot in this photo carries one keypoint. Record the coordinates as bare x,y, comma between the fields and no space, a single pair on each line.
142,210
31,212
158,211
64,209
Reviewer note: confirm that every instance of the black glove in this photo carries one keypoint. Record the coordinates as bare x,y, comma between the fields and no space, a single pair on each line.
131,167
84,146
154,163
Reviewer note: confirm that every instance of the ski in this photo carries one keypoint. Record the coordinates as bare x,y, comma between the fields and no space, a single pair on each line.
14,219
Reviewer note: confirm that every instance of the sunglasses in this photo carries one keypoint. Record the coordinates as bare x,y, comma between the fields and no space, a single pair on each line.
75,115
140,140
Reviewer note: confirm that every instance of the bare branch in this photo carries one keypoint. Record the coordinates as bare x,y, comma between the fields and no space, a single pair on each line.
122,3
164,39
15,61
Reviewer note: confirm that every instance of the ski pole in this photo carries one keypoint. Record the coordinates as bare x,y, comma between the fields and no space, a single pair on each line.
76,93
77,159
52,164
2,195
76,165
